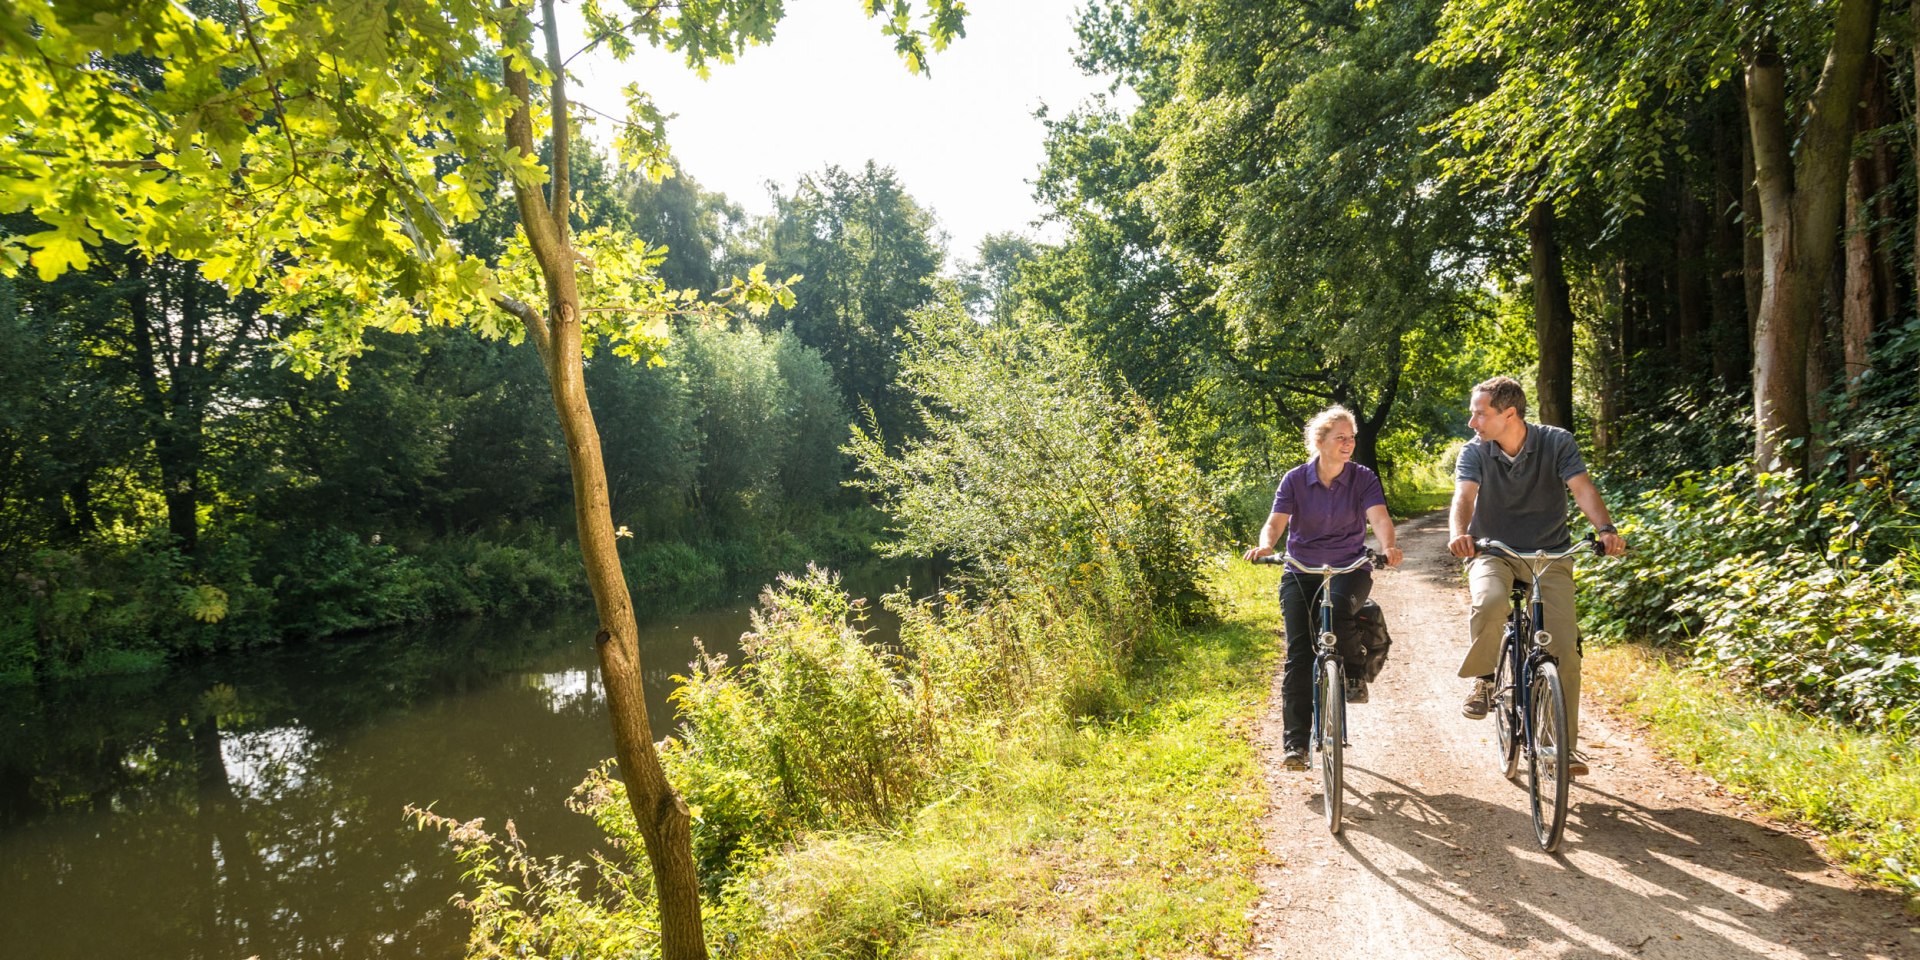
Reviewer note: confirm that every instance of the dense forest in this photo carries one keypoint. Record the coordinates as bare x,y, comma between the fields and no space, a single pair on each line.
174,487
447,370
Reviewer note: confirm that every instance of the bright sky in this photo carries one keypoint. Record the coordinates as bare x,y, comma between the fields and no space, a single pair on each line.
830,90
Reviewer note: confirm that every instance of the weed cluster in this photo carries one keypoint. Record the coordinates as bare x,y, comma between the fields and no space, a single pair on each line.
1083,536
1803,590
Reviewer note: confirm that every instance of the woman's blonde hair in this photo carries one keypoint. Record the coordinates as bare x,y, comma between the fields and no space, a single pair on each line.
1322,422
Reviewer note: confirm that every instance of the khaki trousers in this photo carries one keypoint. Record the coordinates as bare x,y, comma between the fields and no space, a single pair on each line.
1490,579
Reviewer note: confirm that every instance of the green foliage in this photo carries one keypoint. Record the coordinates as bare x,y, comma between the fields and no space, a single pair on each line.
870,255
1033,468
669,567
1883,425
1684,429
990,285
1019,805
524,905
115,606
814,728
1803,590
1259,237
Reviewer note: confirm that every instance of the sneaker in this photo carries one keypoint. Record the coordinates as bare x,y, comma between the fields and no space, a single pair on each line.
1479,701
1295,760
1356,690
1576,766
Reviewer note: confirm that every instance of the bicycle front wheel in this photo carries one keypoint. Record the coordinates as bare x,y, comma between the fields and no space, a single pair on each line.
1507,724
1549,752
1333,732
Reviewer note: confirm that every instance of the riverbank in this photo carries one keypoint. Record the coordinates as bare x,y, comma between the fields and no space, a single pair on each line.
132,607
1135,835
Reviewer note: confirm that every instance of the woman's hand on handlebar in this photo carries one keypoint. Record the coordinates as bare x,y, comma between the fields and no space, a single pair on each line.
1257,553
1394,556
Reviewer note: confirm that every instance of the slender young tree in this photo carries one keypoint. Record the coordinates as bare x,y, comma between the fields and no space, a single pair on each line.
319,153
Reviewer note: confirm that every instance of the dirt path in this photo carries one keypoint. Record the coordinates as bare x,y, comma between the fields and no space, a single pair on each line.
1437,858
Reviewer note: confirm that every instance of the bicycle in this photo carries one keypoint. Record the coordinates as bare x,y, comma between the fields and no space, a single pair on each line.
1528,708
1329,732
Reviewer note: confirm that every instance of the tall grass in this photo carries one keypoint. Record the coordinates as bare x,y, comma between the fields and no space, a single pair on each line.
849,799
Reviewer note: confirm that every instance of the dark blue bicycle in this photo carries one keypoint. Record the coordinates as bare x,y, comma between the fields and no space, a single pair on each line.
1329,734
1528,707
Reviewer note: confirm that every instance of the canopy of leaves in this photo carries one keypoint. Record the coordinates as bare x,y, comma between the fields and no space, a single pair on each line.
323,153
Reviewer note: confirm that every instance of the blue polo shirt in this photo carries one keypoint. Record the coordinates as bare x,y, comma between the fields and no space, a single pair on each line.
1329,522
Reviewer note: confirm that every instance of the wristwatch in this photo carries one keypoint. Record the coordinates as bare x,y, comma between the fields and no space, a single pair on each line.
1605,529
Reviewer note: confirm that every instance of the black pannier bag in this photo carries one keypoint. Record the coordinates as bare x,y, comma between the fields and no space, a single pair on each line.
1371,622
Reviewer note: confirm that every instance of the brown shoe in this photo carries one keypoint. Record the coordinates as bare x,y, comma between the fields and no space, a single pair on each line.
1479,701
1576,767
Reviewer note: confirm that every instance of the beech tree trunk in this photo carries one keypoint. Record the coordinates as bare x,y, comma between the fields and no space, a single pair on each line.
662,815
1802,194
1732,334
1753,261
1552,320
1860,299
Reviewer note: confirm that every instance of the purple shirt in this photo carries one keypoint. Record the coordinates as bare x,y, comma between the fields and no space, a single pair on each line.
1329,524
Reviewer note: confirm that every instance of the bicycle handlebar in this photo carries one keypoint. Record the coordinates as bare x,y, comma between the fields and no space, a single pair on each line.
1585,545
1371,558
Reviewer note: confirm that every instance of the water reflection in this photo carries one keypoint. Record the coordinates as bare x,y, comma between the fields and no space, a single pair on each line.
252,806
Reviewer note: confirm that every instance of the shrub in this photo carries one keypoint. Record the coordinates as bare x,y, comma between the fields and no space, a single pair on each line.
1035,468
669,568
814,727
1803,589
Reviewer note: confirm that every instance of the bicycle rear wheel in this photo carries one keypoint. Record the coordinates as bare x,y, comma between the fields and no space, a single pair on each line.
1549,752
1507,724
1333,714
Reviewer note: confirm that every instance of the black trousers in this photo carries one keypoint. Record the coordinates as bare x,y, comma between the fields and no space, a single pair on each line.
1300,609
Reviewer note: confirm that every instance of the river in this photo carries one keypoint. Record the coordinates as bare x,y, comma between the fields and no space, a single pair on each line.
251,806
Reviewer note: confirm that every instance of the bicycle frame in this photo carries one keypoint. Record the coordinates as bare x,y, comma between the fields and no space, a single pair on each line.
1326,645
1326,666
1536,641
1523,654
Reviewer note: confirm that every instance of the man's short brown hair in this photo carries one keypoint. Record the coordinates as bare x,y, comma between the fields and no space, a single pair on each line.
1504,393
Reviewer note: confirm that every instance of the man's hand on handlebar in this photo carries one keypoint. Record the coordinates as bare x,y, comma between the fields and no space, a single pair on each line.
1462,546
1613,544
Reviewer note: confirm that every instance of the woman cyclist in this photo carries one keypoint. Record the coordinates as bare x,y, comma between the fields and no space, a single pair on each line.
1323,506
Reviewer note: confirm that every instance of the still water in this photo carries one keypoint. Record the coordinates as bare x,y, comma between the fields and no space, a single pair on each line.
252,806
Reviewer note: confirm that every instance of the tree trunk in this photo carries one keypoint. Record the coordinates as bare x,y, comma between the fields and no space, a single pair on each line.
172,413
1606,427
1368,427
1861,293
662,816
1552,320
1802,194
1731,335
1690,293
1753,260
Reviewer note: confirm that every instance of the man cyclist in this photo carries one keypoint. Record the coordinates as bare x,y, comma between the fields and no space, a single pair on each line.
1511,485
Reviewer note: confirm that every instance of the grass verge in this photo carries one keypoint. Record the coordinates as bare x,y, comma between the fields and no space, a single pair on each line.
1860,790
1131,835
